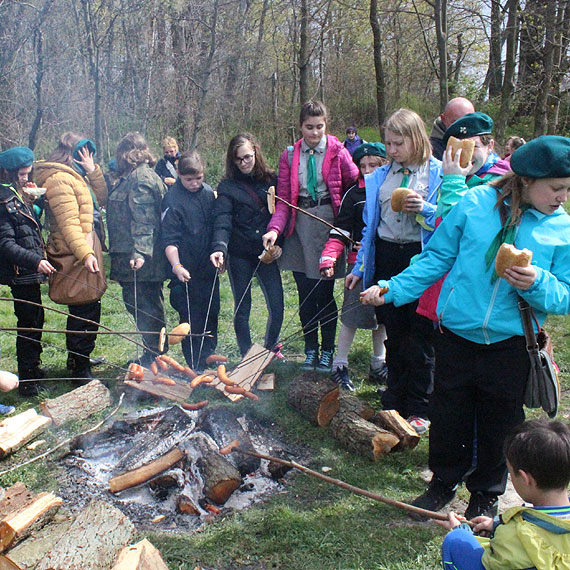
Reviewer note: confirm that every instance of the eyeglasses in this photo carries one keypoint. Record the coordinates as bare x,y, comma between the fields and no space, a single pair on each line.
244,158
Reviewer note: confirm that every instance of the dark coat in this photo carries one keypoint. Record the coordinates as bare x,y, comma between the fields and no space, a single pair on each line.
162,169
241,216
188,224
133,222
21,242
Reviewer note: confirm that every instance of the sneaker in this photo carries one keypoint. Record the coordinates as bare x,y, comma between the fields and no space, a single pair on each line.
421,425
378,375
341,377
437,495
482,504
6,410
325,362
311,357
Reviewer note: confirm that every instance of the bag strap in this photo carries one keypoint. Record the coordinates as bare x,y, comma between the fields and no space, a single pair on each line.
526,315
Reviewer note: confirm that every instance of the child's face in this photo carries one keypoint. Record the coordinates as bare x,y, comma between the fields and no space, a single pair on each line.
170,150
480,154
192,182
313,130
368,164
245,158
400,148
351,135
22,176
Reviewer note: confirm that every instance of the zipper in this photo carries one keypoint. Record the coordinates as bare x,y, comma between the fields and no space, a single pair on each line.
489,311
445,306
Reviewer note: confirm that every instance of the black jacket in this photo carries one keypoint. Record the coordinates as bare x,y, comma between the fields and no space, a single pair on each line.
188,224
21,242
162,169
241,216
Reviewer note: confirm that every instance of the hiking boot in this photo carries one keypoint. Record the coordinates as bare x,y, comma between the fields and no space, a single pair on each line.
421,425
341,377
482,504
325,362
29,385
6,410
378,375
82,372
311,357
437,495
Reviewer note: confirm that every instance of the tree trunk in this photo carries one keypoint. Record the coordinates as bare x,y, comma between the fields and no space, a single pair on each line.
38,49
495,48
440,17
304,53
314,397
378,66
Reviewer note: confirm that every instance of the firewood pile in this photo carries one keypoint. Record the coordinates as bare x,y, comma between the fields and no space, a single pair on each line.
350,420
36,534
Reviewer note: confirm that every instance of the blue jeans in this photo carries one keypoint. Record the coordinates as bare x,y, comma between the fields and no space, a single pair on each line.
461,551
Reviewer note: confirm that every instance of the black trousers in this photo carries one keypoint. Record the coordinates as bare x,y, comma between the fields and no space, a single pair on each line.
28,344
197,349
409,343
83,344
317,309
149,309
477,399
240,272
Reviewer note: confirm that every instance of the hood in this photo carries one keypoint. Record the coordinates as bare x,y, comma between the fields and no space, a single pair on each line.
43,170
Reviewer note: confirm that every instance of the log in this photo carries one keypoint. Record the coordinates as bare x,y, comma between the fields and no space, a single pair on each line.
14,498
77,404
219,476
361,436
30,552
317,399
146,472
16,431
394,422
186,505
93,541
19,524
350,403
140,556
223,427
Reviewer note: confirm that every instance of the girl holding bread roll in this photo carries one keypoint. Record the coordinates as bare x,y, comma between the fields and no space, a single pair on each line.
389,240
482,363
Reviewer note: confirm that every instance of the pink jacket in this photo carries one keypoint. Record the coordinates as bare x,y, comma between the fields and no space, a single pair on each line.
339,173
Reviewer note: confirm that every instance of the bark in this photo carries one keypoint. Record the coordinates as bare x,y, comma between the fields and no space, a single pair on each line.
378,65
440,17
317,399
16,431
351,404
304,53
495,70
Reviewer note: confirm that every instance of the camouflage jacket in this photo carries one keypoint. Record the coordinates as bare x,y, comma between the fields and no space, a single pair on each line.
133,221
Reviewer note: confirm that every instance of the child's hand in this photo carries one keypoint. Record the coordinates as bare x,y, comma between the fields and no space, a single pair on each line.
327,272
414,203
269,239
351,281
217,259
451,164
136,263
86,161
483,525
182,273
8,381
372,296
453,521
521,277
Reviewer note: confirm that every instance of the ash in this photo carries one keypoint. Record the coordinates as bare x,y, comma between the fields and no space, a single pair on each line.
96,458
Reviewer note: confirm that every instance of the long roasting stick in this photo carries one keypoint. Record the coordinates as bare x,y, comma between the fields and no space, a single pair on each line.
119,333
347,486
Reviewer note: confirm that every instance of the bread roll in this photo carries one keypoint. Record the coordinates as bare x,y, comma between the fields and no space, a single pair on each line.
399,196
509,256
466,146
178,333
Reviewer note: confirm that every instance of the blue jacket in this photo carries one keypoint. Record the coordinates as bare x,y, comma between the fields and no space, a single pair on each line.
365,260
469,304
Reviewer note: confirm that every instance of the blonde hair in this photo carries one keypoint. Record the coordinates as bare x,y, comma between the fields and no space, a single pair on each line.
511,187
408,123
167,142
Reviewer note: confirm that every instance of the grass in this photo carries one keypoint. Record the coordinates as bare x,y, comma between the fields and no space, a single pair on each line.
312,525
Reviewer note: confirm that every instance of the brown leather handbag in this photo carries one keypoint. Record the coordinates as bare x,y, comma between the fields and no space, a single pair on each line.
72,283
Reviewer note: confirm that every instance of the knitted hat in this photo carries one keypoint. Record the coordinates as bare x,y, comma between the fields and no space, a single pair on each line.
547,156
16,157
368,149
470,125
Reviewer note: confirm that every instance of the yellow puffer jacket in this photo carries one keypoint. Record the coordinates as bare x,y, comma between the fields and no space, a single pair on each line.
70,205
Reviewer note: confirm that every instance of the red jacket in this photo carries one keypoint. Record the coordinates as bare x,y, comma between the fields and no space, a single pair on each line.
339,172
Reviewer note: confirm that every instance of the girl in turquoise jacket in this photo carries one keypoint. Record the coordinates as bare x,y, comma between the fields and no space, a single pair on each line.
482,362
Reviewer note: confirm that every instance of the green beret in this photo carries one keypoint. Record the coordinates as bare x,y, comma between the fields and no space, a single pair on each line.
547,156
368,149
83,142
470,125
16,158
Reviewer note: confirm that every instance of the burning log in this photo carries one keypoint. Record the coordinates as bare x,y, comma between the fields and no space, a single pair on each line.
394,422
223,427
361,436
78,404
23,512
220,477
314,397
140,555
92,541
146,472
186,506
16,431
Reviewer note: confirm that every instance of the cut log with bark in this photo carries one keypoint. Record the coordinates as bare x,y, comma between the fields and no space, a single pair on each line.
146,472
223,427
361,436
140,556
19,524
78,404
350,403
93,541
315,397
14,498
16,431
186,505
394,422
219,476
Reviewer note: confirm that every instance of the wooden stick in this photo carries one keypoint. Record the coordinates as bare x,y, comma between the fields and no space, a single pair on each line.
119,333
351,488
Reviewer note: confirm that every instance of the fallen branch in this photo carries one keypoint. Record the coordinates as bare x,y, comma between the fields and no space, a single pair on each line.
351,488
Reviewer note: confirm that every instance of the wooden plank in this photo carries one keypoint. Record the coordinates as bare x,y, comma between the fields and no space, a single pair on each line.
16,431
179,393
140,556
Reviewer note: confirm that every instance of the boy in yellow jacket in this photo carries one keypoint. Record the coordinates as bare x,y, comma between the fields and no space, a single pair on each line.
537,537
